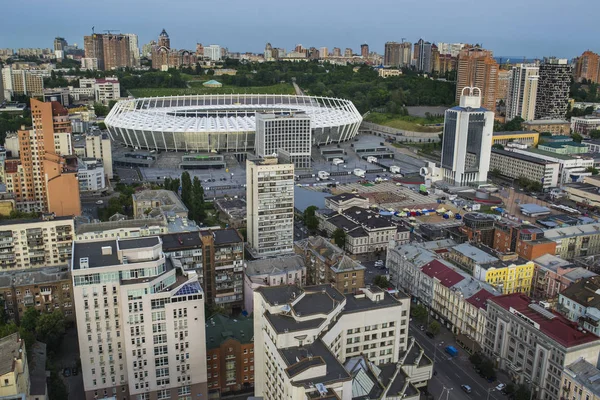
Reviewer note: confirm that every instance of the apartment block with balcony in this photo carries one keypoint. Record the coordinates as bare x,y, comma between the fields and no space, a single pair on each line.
229,354
575,241
580,302
140,322
308,337
283,270
185,251
46,289
553,275
31,243
327,264
223,268
580,381
534,344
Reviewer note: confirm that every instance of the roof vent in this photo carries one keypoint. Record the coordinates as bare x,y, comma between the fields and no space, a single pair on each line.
84,263
106,250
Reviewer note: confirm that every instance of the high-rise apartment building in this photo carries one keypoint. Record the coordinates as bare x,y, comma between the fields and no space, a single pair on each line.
392,54
522,92
97,145
477,67
348,52
42,179
587,67
270,206
134,49
553,89
337,52
503,82
364,50
21,82
324,52
423,56
450,48
290,132
467,141
213,52
317,352
113,51
268,55
140,322
60,44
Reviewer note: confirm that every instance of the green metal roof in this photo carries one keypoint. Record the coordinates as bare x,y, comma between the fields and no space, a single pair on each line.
220,327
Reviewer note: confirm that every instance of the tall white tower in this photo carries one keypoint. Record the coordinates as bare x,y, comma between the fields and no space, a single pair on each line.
522,92
467,142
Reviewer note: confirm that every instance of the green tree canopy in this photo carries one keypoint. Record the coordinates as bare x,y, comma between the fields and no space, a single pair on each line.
594,133
419,312
339,237
100,109
434,327
310,219
381,281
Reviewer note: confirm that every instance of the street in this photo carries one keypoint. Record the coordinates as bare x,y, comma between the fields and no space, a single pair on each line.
453,372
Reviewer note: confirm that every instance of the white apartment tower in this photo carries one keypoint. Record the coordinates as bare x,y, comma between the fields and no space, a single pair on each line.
97,145
522,92
270,206
140,322
467,141
288,131
213,52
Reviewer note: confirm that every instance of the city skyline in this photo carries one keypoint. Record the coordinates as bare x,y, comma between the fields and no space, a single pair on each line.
257,23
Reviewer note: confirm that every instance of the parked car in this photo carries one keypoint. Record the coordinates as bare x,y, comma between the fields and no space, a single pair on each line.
466,388
379,263
74,371
100,202
500,387
67,372
429,334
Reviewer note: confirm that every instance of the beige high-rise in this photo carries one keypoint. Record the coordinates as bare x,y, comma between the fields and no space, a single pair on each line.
522,92
477,67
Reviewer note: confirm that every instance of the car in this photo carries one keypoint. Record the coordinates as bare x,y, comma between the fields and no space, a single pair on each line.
422,327
100,202
67,372
466,388
500,387
430,335
378,263
74,371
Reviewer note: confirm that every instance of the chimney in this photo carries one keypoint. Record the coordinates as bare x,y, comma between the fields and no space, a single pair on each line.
106,250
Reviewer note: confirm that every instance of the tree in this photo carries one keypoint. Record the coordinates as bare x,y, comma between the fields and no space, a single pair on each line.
419,312
514,124
497,146
100,109
197,201
522,393
339,238
434,327
310,219
51,329
186,189
495,172
594,133
593,170
577,137
476,359
381,281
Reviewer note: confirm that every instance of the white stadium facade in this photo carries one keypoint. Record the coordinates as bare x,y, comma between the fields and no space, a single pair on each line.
223,122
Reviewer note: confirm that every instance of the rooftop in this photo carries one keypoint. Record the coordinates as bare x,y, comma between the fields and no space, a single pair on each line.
274,266
545,122
37,369
220,328
479,299
181,241
522,157
548,322
344,197
572,231
226,236
11,348
586,374
446,276
513,133
6,222
534,152
93,250
477,255
586,292
35,276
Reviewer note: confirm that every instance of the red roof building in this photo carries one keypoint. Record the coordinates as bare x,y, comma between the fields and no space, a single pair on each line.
479,299
446,276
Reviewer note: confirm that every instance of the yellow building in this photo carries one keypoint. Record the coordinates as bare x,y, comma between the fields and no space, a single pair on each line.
527,137
15,372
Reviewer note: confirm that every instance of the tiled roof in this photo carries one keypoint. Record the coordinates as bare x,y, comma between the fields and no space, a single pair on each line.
447,276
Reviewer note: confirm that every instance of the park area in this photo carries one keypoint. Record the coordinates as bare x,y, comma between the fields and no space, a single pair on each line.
406,122
195,87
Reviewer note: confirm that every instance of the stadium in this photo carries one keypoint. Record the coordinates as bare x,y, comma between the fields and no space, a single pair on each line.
225,122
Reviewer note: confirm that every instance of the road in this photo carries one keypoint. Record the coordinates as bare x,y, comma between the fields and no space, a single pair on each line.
453,372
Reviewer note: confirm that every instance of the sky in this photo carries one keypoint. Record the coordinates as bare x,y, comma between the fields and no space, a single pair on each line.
518,28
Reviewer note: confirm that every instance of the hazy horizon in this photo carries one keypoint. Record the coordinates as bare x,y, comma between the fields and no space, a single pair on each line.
531,29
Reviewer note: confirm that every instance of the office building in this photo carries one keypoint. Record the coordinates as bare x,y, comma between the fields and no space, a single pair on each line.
553,89
58,94
290,132
318,351
423,56
580,302
223,268
284,270
534,344
529,138
43,179
583,125
522,92
36,243
587,67
21,82
229,354
467,141
478,228
344,201
364,51
386,72
270,206
477,67
113,51
15,372
326,263
47,289
268,54
213,52
97,145
553,126
140,321
516,165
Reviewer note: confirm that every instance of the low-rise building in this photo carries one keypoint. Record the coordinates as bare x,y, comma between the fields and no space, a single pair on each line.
91,176
31,243
573,168
583,125
386,72
327,264
530,138
229,354
534,344
162,201
569,147
580,302
46,289
233,211
553,275
516,165
344,201
553,126
594,145
580,381
14,373
309,333
576,241
283,270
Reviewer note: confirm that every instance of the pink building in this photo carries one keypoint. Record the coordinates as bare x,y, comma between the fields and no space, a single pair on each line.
553,275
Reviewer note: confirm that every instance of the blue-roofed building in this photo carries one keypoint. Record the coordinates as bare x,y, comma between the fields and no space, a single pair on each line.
212,84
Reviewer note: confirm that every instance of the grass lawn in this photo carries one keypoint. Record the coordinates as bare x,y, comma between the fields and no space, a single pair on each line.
408,123
155,92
